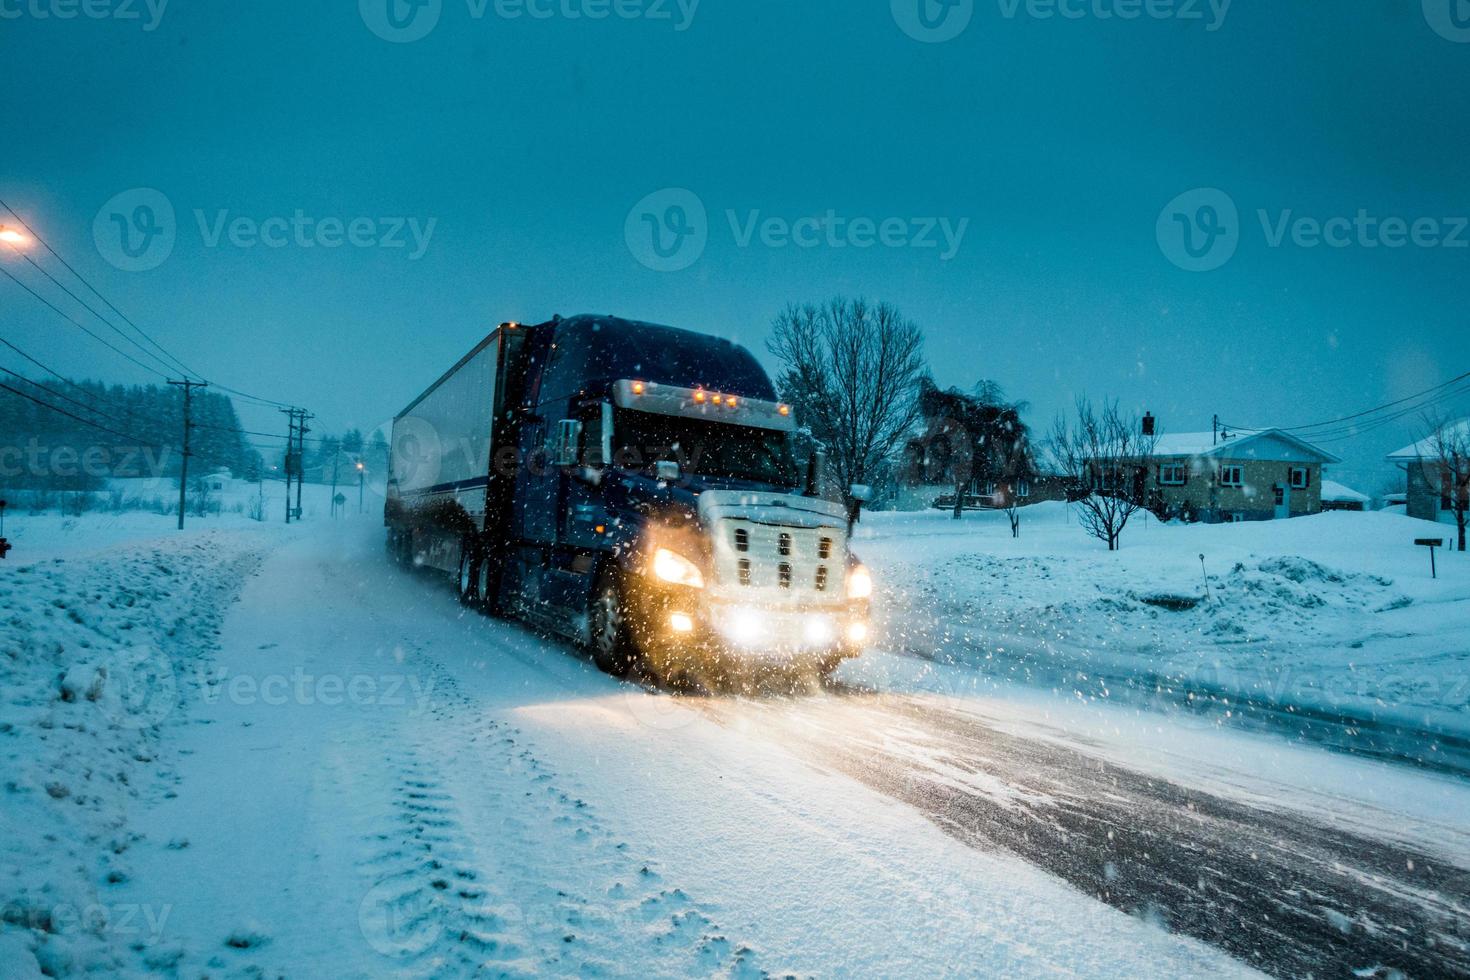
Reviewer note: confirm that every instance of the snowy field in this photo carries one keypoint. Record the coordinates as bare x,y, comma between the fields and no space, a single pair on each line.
1314,620
250,750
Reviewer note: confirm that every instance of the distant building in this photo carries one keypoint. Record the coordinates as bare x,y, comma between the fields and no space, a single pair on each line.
1249,476
1335,496
1427,491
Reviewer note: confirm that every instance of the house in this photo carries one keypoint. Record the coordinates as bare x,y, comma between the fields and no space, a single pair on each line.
1429,486
1244,476
1335,496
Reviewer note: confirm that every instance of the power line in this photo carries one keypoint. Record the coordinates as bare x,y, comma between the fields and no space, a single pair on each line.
188,371
86,306
95,291
51,371
95,425
51,391
1357,415
80,326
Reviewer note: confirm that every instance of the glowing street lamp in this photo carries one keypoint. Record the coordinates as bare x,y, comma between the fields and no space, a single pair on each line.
14,238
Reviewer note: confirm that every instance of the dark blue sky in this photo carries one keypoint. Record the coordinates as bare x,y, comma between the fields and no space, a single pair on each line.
527,142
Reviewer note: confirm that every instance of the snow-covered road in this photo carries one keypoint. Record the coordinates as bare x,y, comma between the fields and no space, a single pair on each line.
360,778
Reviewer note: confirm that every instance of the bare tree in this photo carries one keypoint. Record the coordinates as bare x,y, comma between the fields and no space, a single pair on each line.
1105,457
851,372
1446,467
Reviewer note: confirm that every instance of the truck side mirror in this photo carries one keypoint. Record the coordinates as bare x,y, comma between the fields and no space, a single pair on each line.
667,470
568,439
860,492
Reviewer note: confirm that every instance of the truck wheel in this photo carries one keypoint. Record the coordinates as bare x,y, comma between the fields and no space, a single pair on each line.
613,648
469,575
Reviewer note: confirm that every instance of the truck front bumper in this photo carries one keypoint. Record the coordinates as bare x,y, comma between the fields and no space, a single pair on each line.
681,625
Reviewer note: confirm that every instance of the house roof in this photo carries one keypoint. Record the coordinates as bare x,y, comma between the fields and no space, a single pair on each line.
1336,492
1424,448
1205,444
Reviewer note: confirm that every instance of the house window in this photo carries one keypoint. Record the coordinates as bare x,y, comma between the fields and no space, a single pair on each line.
1300,478
1235,517
1231,476
1280,496
1023,488
1171,475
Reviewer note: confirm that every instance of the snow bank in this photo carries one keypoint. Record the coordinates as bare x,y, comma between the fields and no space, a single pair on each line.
94,659
1332,616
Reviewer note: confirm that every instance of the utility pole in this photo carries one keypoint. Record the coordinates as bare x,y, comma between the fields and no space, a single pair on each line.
336,457
188,387
1215,436
361,479
290,414
301,430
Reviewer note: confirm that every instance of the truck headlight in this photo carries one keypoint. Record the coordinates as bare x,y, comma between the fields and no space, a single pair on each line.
676,569
859,583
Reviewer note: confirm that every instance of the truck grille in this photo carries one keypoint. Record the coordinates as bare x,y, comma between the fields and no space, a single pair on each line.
789,563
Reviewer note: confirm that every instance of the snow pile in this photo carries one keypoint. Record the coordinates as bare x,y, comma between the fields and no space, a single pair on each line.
95,658
1334,615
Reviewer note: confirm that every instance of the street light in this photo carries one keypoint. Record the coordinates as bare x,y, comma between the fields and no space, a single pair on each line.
13,238
361,477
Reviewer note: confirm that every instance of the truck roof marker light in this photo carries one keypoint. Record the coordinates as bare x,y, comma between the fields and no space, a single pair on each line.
699,397
732,401
784,409
639,387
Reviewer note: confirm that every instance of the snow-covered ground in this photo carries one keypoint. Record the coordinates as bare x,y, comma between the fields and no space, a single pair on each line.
1320,618
252,750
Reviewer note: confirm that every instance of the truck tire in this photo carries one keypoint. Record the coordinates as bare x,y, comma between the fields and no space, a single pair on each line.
614,649
468,581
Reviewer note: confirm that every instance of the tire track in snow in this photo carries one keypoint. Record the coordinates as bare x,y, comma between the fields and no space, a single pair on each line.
487,863
1280,891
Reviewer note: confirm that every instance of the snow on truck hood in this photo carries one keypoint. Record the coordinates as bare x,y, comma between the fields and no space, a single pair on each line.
770,508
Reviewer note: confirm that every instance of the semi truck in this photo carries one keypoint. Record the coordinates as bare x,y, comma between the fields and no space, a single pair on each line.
635,488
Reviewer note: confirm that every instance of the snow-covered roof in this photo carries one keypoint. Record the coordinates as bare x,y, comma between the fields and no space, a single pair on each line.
1424,448
1206,444
1336,492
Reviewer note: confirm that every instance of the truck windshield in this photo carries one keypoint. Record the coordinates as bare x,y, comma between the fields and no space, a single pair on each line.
713,449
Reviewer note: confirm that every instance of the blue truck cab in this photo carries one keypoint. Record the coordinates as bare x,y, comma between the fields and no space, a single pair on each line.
633,487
